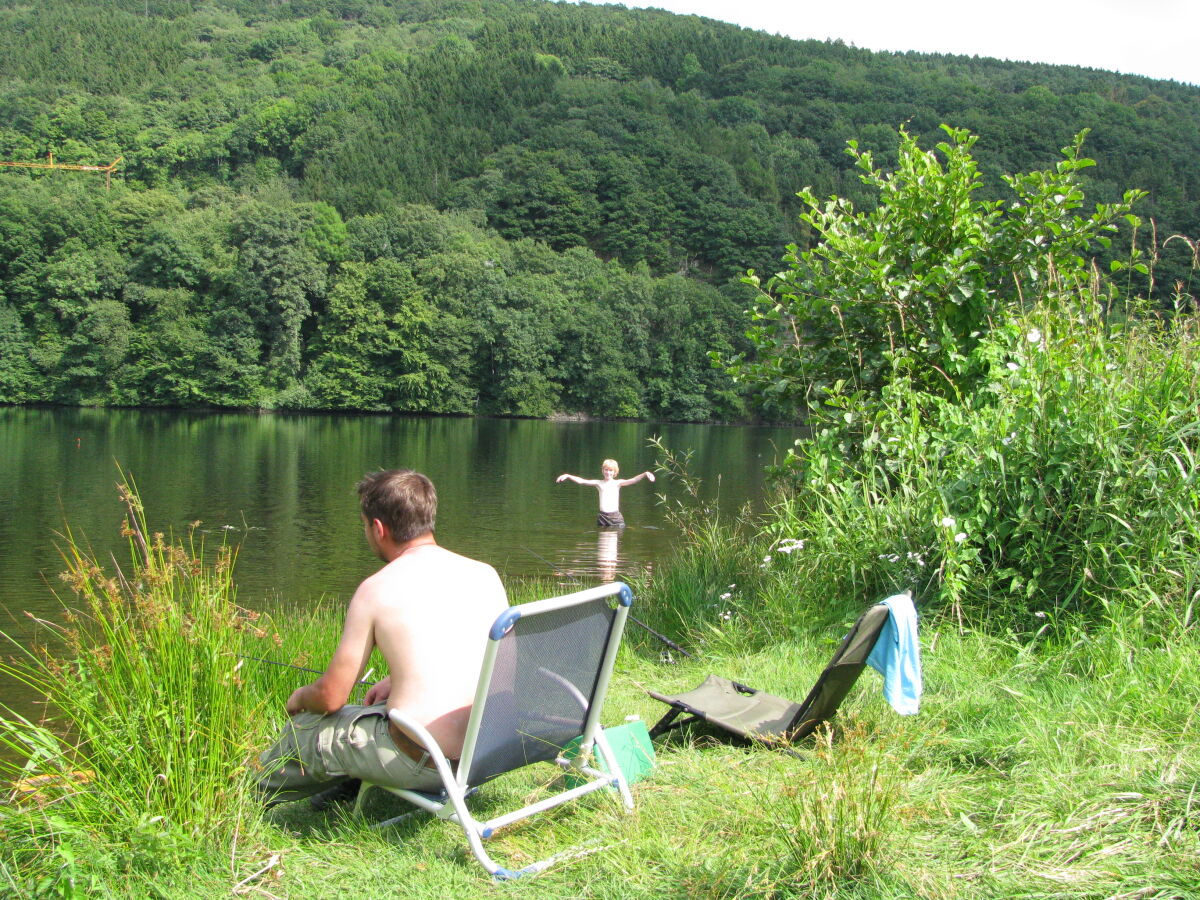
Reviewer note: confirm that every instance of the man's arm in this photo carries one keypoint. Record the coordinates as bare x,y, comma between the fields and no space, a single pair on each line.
330,692
636,478
575,478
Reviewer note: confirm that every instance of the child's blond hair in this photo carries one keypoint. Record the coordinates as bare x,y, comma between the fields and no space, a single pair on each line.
611,462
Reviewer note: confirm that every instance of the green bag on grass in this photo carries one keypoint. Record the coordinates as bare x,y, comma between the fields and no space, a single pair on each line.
630,745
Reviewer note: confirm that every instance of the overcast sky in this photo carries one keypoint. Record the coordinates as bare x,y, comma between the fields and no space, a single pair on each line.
1157,38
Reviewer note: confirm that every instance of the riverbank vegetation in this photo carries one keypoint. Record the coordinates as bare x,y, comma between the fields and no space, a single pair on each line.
513,208
1018,450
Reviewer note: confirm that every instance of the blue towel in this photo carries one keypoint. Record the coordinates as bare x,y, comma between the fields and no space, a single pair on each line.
897,656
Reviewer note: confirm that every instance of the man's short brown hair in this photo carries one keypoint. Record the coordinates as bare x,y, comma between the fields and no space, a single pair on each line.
403,500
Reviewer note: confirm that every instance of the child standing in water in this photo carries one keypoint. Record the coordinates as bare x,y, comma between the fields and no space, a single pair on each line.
609,487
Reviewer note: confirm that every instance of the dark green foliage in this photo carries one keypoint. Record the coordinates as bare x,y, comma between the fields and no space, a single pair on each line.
276,154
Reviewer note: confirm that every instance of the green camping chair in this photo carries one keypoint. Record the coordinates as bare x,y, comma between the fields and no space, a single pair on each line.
759,716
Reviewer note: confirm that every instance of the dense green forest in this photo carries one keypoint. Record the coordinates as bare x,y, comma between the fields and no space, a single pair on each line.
506,207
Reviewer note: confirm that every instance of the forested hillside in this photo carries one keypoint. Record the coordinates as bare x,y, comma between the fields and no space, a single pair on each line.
509,206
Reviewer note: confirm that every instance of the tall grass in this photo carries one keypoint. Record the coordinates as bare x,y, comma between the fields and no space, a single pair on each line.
838,827
145,749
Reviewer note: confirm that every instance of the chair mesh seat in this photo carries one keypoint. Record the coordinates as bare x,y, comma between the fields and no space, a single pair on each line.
543,686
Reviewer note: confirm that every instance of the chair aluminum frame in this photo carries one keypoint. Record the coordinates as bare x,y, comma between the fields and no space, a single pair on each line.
451,804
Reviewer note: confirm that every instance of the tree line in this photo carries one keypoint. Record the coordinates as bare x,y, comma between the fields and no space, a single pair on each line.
468,206
217,298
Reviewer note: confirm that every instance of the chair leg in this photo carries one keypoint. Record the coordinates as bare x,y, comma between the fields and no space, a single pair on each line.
396,820
614,768
667,722
358,801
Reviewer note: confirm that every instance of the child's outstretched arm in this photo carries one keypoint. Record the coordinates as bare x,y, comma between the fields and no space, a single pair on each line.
575,478
636,478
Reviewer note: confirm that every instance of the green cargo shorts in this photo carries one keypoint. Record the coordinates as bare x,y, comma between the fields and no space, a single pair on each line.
314,752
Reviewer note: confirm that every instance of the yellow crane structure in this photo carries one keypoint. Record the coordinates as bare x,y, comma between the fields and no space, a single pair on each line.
51,164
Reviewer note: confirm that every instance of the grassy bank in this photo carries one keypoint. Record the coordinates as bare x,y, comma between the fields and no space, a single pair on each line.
1059,764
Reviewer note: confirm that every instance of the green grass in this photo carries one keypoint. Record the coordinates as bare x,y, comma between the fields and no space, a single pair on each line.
1031,781
1065,767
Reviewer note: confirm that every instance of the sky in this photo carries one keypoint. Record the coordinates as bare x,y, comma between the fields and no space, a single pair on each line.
1156,38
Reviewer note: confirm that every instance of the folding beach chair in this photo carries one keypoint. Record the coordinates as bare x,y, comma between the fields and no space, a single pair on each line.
544,677
759,716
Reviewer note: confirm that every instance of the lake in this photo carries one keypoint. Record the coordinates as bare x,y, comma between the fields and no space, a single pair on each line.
281,486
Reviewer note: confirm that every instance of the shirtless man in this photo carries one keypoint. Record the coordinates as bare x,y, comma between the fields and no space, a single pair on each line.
609,487
428,611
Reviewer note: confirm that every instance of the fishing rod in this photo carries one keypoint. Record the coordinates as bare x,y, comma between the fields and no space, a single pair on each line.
275,662
662,637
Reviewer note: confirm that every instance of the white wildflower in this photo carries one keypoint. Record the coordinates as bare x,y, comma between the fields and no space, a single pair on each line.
1034,336
726,595
1039,615
1012,367
948,522
960,537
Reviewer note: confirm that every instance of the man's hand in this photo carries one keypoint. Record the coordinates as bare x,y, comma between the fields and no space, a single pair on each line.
378,692
295,703
650,476
560,479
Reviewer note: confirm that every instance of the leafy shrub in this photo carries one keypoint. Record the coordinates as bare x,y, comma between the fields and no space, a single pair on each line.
1067,482
988,433
922,276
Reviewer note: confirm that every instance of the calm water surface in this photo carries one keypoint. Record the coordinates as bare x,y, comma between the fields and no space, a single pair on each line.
282,487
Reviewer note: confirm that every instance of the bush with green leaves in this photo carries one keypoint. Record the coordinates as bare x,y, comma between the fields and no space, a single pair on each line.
1066,481
990,433
919,279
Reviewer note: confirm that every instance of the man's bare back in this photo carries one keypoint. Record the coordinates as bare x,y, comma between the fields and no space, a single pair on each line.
430,611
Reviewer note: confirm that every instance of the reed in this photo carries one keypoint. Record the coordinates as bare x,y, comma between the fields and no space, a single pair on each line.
147,741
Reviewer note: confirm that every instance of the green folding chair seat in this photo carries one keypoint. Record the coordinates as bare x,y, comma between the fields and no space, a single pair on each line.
766,718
